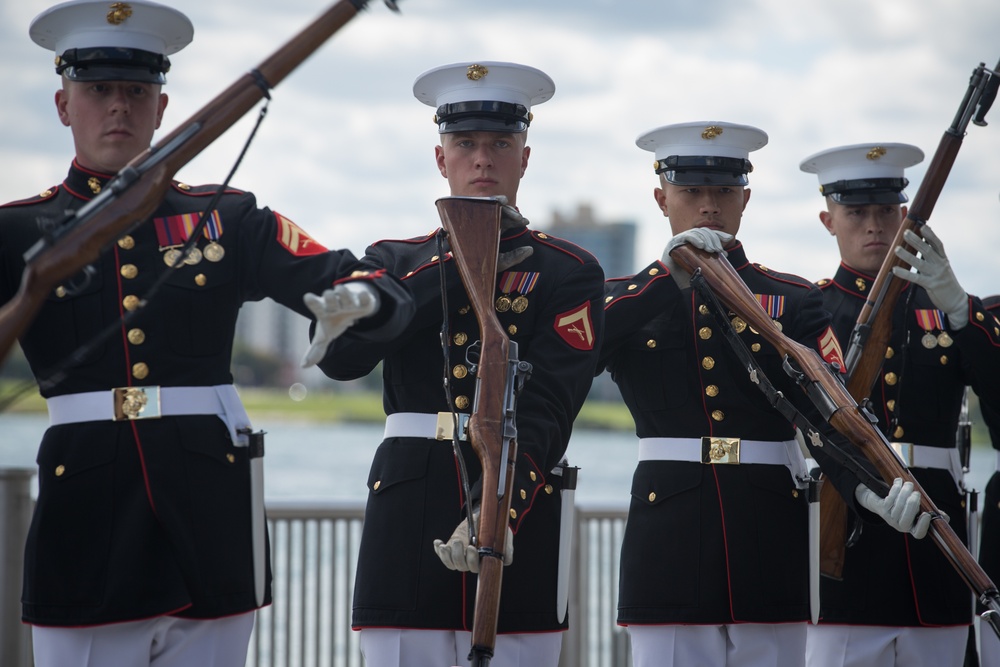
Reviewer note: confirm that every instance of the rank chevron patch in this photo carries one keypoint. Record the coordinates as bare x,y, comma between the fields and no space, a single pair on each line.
295,239
829,348
576,328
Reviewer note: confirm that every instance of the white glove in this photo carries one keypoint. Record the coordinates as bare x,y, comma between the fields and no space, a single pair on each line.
459,554
709,240
339,308
899,508
933,273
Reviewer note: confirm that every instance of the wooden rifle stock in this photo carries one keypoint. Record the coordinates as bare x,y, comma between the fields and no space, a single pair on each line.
846,416
870,338
473,227
139,188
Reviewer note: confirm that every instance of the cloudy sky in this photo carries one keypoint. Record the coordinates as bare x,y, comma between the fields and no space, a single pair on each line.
347,152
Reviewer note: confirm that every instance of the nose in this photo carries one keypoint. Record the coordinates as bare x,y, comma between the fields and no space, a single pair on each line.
709,202
483,157
119,102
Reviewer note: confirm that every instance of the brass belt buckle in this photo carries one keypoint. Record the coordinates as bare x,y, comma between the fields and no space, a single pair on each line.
445,429
720,450
136,403
904,450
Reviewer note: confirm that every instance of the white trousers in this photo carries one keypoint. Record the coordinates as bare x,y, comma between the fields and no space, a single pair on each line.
164,641
989,646
885,646
391,647
736,645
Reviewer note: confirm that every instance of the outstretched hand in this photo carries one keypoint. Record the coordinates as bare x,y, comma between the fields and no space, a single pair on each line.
336,310
933,272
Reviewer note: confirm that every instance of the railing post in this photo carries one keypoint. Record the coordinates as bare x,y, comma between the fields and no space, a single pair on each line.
15,517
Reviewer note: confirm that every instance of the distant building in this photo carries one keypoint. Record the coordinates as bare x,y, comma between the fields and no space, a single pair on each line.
613,243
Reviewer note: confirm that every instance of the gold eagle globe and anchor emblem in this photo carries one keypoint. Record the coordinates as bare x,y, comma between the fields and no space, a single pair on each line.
119,12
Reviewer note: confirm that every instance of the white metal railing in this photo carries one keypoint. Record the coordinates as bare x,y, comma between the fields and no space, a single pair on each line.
314,551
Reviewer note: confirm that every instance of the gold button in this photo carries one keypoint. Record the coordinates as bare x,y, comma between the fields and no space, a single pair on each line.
513,513
889,353
376,485
409,274
460,371
126,242
45,193
60,291
898,433
944,360
461,402
891,379
136,336
703,309
608,299
60,470
131,302
652,496
755,347
653,271
512,329
795,493
464,310
140,371
632,287
200,280
542,236
704,333
524,494
651,343
183,186
708,363
980,317
129,271
718,415
532,475
230,458
777,325
739,325
890,404
712,390
460,338
435,258
548,489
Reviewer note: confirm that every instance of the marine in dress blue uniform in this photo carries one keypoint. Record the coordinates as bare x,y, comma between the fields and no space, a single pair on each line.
915,607
149,520
714,564
550,305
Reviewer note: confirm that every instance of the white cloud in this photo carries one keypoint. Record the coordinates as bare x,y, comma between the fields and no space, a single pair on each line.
346,150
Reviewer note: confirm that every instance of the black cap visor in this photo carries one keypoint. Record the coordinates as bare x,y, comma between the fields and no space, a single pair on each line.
113,64
704,170
482,117
864,191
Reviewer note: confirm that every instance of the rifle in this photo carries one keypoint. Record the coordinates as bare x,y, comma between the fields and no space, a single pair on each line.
870,337
136,191
473,226
837,406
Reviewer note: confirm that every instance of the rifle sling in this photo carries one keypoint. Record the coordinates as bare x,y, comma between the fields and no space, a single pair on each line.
775,397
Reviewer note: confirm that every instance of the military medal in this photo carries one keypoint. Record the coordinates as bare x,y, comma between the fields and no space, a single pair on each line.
520,283
503,304
214,252
930,319
944,340
193,256
170,258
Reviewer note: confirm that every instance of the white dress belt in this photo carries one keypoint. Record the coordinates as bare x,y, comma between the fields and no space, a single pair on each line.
436,426
727,451
935,458
134,403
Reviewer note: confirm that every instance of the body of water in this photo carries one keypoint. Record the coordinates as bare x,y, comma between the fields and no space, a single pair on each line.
305,460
